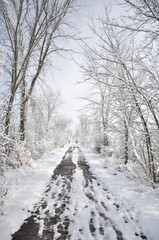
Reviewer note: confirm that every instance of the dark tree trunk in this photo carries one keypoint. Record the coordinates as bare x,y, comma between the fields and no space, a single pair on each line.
8,114
105,140
22,112
22,121
126,144
148,144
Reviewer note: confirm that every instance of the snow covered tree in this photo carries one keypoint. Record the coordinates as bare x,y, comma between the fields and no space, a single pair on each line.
131,79
83,130
100,96
32,30
42,112
61,131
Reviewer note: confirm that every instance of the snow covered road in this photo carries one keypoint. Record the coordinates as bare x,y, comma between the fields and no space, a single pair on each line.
76,206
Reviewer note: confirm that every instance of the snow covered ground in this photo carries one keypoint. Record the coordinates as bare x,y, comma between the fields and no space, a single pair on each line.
139,199
116,196
25,188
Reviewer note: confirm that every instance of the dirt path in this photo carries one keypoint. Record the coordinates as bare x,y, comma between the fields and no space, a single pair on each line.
75,206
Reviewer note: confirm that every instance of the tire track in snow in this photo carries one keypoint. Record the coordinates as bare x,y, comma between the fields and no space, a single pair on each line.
90,220
50,220
75,206
97,214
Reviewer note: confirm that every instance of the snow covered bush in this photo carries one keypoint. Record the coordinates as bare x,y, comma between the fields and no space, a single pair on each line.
20,155
98,143
13,154
107,151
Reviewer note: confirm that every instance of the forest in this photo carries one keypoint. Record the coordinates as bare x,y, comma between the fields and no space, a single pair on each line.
94,176
120,65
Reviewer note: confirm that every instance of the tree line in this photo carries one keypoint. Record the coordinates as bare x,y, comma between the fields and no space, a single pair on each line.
121,67
32,32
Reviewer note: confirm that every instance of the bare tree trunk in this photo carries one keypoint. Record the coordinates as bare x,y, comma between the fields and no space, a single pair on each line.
22,121
8,114
104,119
126,143
22,112
105,142
148,143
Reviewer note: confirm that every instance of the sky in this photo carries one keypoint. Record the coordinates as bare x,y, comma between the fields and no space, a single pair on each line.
67,72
